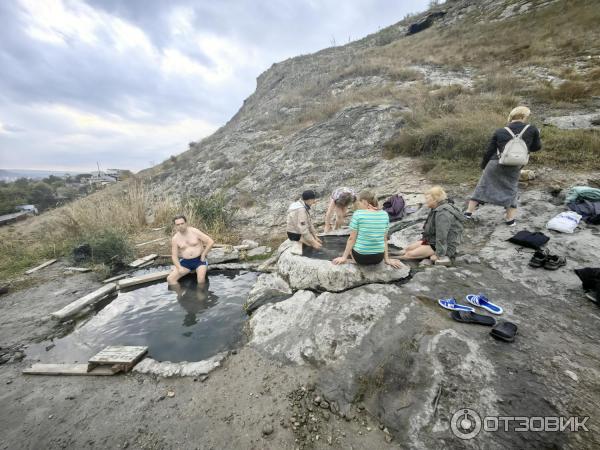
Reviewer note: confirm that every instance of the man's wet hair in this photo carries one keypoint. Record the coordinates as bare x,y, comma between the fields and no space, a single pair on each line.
180,216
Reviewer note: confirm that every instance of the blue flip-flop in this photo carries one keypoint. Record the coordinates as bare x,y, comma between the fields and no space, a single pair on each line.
481,301
450,303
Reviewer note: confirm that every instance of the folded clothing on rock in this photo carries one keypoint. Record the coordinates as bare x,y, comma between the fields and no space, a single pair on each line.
590,211
526,238
578,193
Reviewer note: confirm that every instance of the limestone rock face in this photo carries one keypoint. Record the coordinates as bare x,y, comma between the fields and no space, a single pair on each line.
258,251
318,329
268,287
180,369
224,254
407,235
307,273
394,349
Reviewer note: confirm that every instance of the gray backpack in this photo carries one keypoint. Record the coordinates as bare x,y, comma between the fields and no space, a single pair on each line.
515,151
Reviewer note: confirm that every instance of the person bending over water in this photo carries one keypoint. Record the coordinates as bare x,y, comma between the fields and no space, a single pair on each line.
442,232
189,247
367,244
299,224
338,205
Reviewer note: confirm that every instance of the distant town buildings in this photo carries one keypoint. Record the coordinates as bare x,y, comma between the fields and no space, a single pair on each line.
104,177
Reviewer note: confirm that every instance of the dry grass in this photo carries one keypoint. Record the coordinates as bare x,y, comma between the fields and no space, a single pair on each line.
573,149
450,123
112,218
569,91
547,42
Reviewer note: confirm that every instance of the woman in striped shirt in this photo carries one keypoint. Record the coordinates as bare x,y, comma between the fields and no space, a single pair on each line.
367,244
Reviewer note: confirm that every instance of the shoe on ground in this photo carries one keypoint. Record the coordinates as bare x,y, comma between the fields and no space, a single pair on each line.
511,223
538,259
443,261
554,262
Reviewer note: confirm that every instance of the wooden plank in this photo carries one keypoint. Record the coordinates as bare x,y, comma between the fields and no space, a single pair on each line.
115,278
151,242
155,276
146,264
77,269
139,262
67,369
76,306
116,354
8,218
41,266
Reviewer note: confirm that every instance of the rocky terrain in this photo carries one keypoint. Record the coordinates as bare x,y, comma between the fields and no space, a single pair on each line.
361,363
391,349
322,120
344,357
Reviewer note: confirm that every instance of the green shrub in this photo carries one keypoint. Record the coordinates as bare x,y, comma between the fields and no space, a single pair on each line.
447,137
109,246
212,212
577,149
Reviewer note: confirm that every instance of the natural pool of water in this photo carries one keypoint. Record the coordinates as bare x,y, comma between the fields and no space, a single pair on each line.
333,246
190,323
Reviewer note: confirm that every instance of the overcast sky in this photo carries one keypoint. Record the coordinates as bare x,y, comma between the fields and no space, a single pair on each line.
128,83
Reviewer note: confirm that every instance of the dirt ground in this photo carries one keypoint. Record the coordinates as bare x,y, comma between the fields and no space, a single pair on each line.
248,403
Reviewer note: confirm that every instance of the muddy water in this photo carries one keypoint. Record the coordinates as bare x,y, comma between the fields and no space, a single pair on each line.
189,323
333,246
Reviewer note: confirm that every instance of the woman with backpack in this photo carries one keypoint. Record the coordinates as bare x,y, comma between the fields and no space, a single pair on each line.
501,169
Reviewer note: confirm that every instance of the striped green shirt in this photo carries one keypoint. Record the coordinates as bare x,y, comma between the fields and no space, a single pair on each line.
371,227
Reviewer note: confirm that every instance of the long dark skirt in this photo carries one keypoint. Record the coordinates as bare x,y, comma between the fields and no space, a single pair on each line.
499,185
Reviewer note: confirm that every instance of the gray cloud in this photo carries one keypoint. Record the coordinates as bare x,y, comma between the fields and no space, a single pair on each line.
93,81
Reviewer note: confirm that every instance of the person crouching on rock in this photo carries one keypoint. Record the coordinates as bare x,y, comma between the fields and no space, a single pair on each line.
442,232
299,224
189,247
338,205
367,244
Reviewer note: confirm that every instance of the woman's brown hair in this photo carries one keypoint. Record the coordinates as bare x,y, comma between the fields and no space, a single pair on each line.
369,197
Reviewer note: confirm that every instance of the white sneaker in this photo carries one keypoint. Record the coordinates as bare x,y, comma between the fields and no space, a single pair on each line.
443,261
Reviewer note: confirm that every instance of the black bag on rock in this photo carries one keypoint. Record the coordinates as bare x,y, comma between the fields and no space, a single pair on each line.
526,238
590,281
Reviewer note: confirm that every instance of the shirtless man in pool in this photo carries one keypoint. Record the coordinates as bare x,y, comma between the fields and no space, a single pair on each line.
189,247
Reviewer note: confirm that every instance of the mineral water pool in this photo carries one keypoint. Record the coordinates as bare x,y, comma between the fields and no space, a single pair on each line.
190,323
333,246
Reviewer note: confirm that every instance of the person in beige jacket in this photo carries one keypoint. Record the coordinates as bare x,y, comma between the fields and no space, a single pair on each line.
299,224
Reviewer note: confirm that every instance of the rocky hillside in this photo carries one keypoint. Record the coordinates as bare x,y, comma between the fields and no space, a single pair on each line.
433,85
